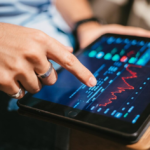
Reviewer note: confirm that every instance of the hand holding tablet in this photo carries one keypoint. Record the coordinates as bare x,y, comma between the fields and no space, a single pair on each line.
119,103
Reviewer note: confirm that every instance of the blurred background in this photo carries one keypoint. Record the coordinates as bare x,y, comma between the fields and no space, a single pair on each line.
126,12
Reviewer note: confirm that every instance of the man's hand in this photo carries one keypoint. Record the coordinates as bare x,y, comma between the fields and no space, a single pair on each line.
89,32
76,10
24,53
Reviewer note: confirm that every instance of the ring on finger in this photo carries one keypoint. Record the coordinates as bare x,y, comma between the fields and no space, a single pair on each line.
17,95
46,74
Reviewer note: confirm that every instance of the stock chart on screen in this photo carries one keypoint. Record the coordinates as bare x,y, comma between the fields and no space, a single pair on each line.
122,69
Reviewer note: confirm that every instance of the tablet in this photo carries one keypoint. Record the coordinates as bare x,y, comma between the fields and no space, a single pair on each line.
118,104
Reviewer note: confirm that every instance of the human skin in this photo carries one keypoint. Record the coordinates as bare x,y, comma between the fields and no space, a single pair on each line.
75,10
24,51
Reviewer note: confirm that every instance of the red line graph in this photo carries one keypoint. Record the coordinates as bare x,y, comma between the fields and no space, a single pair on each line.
121,89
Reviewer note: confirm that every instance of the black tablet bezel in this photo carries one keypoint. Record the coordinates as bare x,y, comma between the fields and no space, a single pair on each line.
122,128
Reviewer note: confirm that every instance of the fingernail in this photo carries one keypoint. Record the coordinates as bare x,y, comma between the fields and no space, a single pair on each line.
92,81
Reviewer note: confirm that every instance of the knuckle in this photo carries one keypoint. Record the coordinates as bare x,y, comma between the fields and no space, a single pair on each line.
69,60
13,66
33,56
39,36
19,69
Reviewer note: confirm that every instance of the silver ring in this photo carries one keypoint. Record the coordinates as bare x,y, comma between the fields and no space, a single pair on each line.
17,95
45,75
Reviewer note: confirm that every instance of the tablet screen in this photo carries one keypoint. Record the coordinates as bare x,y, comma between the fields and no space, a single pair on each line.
122,68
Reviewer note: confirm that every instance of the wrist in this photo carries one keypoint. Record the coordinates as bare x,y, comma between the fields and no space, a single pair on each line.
82,27
88,32
86,27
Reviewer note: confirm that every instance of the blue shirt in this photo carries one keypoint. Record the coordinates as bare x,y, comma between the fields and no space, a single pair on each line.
38,14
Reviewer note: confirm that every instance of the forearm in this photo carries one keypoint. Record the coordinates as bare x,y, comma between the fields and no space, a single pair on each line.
74,10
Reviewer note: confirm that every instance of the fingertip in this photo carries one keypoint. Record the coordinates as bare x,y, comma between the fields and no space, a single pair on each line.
92,81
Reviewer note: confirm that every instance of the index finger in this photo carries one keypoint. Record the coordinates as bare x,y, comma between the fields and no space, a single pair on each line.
58,53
